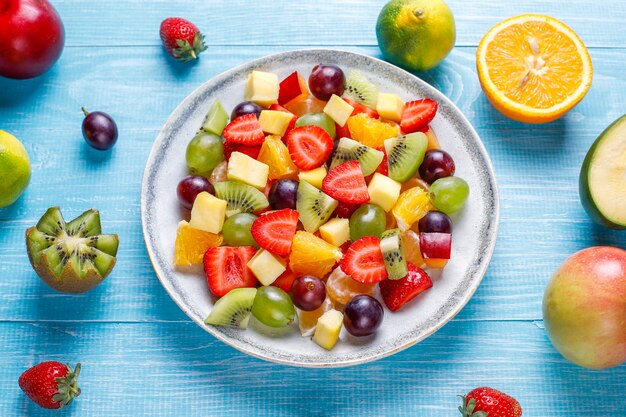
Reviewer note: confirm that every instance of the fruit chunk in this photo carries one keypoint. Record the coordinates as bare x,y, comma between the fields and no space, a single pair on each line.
412,251
346,183
315,206
328,328
208,213
405,155
360,89
411,206
275,122
248,170
390,106
433,142
383,191
275,155
262,88
266,267
363,261
396,293
351,150
292,88
304,105
273,307
359,108
312,255
417,115
307,320
245,130
274,231
191,244
338,109
285,280
225,268
216,119
371,132
309,146
341,288
233,309
435,248
393,254
336,231
230,147
240,198
314,176
294,118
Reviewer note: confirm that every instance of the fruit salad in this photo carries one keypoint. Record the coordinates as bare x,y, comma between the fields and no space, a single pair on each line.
312,193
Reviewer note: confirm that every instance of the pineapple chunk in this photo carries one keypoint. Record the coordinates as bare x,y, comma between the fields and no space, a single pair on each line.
275,154
242,167
390,107
275,122
314,176
383,191
208,213
328,328
266,266
338,110
336,232
262,88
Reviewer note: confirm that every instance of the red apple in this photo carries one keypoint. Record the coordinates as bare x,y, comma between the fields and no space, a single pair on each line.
31,38
435,248
291,88
584,308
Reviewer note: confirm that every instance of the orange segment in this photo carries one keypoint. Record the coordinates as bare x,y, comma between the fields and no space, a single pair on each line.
341,288
307,320
433,142
305,104
191,244
533,68
312,255
275,154
369,131
411,244
411,206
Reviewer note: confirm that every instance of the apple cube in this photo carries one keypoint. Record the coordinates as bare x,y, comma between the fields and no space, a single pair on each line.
262,88
208,213
383,191
291,88
336,232
328,328
390,107
314,176
266,266
244,168
338,110
275,122
435,249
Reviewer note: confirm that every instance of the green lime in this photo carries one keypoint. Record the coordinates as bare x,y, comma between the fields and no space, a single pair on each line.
415,34
14,169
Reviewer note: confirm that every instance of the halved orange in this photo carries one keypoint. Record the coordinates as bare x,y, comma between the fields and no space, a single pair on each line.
533,68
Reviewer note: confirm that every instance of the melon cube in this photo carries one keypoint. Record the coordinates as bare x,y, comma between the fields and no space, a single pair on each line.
383,191
266,266
390,107
338,109
275,122
314,176
208,213
336,232
244,168
328,328
262,88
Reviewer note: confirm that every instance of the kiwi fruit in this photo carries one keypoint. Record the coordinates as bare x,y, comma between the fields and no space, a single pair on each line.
71,257
393,254
233,309
240,197
351,150
405,155
215,120
361,90
315,206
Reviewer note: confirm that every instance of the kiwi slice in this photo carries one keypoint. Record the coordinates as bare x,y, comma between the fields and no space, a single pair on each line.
240,197
71,257
233,309
361,90
351,150
405,155
315,206
393,254
215,120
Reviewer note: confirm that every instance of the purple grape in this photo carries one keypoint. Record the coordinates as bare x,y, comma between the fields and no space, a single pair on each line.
247,107
435,222
326,80
308,292
283,194
437,164
99,130
362,315
189,188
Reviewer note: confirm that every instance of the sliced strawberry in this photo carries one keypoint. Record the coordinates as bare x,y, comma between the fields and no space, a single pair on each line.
294,118
251,151
417,115
285,280
346,183
345,210
363,261
292,88
396,293
359,108
226,268
245,130
309,146
383,168
274,230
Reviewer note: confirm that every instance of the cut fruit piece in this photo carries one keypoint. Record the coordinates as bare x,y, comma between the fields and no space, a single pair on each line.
314,176
363,261
360,89
533,68
233,309
393,254
262,88
208,213
309,146
383,191
275,155
248,170
215,120
602,188
336,231
359,108
417,115
240,197
87,224
436,248
307,320
412,205
274,231
294,118
285,280
433,142
338,109
371,132
292,88
266,266
230,148
396,293
412,251
345,210
225,268
275,122
220,171
315,206
312,255
351,150
346,183
405,155
390,107
341,288
191,244
305,105
245,130
383,167
328,328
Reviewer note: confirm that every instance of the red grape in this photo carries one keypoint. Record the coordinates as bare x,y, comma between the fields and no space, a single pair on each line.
308,292
362,315
189,188
435,222
246,107
326,80
99,130
437,164
283,194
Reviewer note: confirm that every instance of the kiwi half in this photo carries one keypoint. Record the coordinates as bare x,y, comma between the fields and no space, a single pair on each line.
393,254
361,90
71,257
351,150
233,309
240,197
315,206
405,155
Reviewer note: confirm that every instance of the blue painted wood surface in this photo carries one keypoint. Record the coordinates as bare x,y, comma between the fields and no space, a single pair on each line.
142,356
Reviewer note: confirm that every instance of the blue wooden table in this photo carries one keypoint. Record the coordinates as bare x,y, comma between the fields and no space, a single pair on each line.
142,356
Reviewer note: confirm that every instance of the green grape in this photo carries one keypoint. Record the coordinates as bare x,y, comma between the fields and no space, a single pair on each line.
273,307
318,119
204,152
449,194
367,220
236,230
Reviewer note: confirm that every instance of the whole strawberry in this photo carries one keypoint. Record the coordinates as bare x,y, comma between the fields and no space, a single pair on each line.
181,38
484,401
51,384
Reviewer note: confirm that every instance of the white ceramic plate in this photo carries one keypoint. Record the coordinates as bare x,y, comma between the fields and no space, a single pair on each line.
474,235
